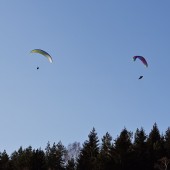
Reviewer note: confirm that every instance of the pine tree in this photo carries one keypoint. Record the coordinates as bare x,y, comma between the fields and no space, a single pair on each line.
21,159
14,160
140,157
154,136
4,161
55,156
167,142
155,144
123,146
106,161
38,161
89,153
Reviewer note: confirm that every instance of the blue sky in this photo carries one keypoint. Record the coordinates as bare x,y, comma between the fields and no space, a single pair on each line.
93,81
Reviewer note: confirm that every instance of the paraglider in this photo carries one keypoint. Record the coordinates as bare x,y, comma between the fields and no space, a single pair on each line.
142,59
140,77
44,53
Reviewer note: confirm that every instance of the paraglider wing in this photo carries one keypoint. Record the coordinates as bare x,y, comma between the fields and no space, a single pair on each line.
142,59
43,53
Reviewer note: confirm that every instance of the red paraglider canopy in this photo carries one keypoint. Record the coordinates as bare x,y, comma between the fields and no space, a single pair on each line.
142,59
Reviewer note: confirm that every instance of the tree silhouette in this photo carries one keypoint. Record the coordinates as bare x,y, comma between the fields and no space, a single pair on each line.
89,153
38,161
123,146
22,158
144,153
155,145
4,161
140,156
55,156
167,142
106,159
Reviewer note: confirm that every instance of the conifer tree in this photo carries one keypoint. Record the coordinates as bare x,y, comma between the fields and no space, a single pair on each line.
123,146
155,144
38,161
22,158
89,153
140,156
167,142
4,161
55,156
106,160
154,136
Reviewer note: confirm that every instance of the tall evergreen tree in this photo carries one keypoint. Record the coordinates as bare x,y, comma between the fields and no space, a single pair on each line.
89,153
38,161
167,142
14,160
155,144
55,156
154,136
22,158
140,156
123,146
106,161
4,161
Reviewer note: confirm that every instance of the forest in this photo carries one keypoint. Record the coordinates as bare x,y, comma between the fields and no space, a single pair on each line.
129,151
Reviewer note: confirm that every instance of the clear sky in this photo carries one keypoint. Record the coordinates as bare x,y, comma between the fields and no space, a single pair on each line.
93,81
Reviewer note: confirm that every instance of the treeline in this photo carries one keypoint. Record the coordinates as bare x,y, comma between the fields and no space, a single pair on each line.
128,151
